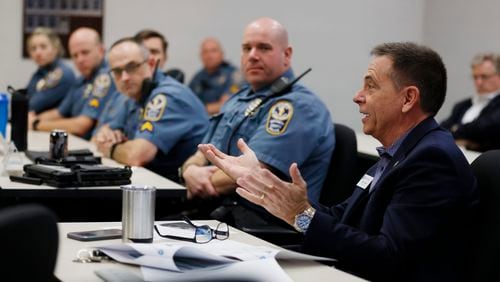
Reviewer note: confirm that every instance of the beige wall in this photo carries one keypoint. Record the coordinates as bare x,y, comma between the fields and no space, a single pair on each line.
332,37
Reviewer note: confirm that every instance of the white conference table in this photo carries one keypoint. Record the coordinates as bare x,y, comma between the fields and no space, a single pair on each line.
367,145
87,203
67,270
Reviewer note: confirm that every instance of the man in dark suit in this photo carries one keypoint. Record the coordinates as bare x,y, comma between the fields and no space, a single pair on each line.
409,215
475,122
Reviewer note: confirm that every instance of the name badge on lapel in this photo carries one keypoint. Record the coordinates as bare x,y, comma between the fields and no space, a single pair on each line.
365,181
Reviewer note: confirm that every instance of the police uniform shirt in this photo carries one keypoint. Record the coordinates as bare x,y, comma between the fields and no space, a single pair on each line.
294,127
49,85
88,96
174,120
114,113
210,87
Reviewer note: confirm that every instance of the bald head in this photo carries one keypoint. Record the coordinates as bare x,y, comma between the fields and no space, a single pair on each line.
274,28
211,54
86,50
85,34
266,54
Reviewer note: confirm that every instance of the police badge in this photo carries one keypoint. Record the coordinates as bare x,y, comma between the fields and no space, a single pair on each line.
88,90
250,110
41,84
221,79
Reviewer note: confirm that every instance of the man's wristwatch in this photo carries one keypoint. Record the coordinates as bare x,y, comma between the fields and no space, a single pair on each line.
303,219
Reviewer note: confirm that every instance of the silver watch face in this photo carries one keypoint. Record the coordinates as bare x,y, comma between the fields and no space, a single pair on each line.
303,221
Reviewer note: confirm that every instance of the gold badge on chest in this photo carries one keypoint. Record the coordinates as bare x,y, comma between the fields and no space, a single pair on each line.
250,110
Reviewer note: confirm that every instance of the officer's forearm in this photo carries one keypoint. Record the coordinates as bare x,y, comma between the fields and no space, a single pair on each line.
77,125
222,182
49,115
197,159
137,152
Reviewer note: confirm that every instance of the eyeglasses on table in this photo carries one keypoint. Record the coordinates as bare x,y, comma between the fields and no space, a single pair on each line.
202,234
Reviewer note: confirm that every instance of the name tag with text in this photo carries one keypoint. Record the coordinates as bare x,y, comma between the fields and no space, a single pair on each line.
365,181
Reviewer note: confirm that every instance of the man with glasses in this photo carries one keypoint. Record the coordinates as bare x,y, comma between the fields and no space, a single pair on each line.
475,122
78,112
163,122
157,46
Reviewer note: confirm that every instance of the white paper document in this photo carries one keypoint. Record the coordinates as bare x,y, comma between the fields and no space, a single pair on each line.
215,260
253,270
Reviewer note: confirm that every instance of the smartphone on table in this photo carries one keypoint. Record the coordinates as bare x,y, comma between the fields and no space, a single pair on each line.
94,235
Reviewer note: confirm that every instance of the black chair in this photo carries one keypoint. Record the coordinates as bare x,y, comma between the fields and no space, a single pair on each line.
486,240
29,238
338,186
176,74
341,177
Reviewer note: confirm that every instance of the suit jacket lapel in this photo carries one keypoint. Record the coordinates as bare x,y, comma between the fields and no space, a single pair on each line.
492,105
358,195
410,141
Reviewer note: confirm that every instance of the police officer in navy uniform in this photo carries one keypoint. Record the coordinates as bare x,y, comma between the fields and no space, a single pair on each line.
53,78
157,46
292,127
165,122
217,80
78,112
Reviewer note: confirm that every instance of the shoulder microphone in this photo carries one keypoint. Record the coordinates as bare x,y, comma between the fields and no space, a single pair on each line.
148,84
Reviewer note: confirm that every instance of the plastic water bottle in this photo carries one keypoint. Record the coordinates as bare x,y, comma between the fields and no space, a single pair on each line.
4,113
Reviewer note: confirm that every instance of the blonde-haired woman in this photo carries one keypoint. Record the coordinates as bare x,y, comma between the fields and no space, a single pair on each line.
53,78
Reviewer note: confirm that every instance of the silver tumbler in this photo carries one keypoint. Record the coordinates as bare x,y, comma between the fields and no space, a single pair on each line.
138,213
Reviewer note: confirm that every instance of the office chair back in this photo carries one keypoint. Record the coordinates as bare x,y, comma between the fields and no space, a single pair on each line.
176,74
486,242
341,177
29,238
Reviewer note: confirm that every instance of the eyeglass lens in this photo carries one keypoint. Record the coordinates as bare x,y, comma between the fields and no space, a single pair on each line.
130,68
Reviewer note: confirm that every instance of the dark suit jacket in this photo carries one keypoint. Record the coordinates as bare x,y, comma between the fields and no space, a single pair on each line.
484,130
413,225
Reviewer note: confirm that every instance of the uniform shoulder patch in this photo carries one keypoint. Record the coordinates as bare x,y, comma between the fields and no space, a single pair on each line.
279,117
155,108
53,78
101,85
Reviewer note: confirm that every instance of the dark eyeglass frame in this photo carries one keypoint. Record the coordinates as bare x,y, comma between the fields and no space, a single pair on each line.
130,68
221,232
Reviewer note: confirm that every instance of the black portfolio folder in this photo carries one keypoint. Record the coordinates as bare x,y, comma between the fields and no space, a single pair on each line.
80,175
